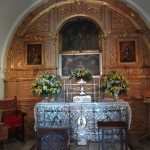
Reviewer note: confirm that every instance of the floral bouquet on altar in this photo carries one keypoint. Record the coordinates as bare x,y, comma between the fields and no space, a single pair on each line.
81,73
46,84
114,84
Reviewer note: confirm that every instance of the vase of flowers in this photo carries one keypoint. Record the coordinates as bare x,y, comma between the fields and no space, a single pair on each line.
114,84
81,73
46,84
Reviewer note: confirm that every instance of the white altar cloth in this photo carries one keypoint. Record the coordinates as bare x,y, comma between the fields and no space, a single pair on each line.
68,114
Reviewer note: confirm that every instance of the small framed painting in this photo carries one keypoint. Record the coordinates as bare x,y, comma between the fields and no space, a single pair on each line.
34,53
127,51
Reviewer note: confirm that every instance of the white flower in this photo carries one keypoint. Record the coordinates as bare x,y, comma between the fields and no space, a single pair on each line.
114,84
46,84
44,87
108,84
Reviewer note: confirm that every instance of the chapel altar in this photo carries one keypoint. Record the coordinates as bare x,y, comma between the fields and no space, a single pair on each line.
80,117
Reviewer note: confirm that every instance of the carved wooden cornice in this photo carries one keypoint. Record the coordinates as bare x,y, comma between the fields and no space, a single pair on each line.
117,6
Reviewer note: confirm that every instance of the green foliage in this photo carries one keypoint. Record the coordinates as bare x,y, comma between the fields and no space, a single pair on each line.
81,73
46,84
114,83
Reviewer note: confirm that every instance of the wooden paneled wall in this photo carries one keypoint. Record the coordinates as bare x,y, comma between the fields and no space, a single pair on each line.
117,22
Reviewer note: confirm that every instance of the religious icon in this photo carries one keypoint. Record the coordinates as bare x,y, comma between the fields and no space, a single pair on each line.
34,54
127,51
81,121
67,64
93,65
57,120
71,61
80,35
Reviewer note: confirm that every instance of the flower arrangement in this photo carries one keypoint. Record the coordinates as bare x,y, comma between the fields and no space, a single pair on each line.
114,84
81,73
46,84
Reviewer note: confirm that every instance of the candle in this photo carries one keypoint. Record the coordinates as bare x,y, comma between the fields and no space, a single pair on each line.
70,91
67,93
94,91
64,90
99,89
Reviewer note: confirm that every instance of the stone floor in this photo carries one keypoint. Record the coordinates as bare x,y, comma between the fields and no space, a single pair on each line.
13,144
30,145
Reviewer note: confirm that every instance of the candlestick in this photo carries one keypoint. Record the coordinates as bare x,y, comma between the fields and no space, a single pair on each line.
67,94
70,91
99,90
94,91
64,90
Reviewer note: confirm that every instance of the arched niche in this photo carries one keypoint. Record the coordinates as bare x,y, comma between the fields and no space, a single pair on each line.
80,46
80,35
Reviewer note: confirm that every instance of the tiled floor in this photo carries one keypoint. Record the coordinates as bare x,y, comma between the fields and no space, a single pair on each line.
13,144
29,145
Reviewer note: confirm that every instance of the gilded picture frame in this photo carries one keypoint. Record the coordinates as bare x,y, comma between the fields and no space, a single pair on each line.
34,54
127,51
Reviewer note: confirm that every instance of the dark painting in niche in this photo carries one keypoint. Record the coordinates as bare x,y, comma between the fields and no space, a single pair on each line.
90,61
80,35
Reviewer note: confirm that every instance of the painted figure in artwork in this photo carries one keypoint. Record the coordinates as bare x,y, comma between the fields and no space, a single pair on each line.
34,54
127,51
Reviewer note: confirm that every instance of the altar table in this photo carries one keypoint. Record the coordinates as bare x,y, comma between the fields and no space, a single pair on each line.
80,116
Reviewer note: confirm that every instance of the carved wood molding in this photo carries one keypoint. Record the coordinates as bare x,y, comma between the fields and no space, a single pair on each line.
117,6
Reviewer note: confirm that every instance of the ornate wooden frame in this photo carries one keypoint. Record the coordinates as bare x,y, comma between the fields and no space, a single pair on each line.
34,54
127,51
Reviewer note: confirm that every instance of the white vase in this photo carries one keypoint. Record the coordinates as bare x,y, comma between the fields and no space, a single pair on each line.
46,99
116,97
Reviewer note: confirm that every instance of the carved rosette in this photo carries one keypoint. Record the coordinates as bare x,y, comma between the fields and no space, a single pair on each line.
95,10
63,12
